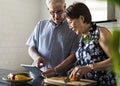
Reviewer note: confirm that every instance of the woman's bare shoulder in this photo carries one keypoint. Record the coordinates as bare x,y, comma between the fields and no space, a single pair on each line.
104,33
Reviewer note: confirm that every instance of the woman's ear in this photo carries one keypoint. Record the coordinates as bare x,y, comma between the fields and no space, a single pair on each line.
65,6
82,18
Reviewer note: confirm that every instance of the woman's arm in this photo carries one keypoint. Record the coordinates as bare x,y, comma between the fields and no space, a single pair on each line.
105,36
60,67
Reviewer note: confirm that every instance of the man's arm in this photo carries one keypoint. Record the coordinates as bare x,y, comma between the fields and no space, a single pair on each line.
36,57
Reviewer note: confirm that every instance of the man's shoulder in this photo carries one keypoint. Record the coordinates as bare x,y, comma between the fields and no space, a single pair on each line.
43,21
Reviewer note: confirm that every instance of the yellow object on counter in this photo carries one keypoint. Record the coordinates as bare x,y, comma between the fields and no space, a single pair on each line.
21,77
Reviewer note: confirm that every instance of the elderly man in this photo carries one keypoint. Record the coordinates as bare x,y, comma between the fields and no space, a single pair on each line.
52,44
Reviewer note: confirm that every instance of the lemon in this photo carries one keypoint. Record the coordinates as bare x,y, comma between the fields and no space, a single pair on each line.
21,77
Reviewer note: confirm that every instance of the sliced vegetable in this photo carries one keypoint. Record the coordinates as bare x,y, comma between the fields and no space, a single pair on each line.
18,76
21,77
72,79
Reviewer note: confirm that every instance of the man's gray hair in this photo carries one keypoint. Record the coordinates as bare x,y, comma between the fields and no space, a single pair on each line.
48,2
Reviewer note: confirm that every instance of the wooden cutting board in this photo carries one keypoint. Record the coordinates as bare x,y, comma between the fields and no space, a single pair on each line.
60,82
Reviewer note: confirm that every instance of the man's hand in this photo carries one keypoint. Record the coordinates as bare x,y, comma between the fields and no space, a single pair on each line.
39,62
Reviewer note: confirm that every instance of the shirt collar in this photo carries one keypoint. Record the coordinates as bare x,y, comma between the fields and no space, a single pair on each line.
59,24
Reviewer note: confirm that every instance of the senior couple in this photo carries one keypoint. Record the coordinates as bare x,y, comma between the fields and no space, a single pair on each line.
70,36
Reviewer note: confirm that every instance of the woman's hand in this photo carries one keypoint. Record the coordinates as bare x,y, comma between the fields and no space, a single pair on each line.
79,71
49,73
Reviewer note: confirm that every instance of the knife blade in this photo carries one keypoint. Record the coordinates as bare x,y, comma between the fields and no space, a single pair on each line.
67,79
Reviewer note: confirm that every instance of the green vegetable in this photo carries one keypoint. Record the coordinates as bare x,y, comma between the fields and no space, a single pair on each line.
11,76
87,39
25,74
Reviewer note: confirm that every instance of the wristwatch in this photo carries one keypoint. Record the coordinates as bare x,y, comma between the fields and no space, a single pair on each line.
91,66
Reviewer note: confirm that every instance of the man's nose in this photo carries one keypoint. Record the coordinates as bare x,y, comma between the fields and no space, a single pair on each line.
56,15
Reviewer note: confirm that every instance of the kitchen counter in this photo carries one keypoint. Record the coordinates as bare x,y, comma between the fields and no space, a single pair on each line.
36,81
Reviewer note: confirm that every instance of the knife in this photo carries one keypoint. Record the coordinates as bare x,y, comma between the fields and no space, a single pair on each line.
67,79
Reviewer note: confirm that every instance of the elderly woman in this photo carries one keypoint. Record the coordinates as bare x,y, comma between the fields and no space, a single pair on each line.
93,54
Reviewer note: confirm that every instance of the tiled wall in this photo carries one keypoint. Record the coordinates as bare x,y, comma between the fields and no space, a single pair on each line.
117,13
17,20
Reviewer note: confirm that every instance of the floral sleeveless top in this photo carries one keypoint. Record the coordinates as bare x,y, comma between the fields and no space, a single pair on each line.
89,52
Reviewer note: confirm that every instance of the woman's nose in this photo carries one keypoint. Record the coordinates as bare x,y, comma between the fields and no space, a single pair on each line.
70,27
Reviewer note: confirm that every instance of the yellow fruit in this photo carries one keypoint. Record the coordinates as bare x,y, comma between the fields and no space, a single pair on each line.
21,77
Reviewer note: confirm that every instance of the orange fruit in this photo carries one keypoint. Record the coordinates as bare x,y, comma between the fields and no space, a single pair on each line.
72,79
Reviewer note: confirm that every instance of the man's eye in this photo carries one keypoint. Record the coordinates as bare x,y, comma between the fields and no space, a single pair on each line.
57,12
52,12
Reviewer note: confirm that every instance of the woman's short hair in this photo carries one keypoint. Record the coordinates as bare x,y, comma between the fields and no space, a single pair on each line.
78,9
48,2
